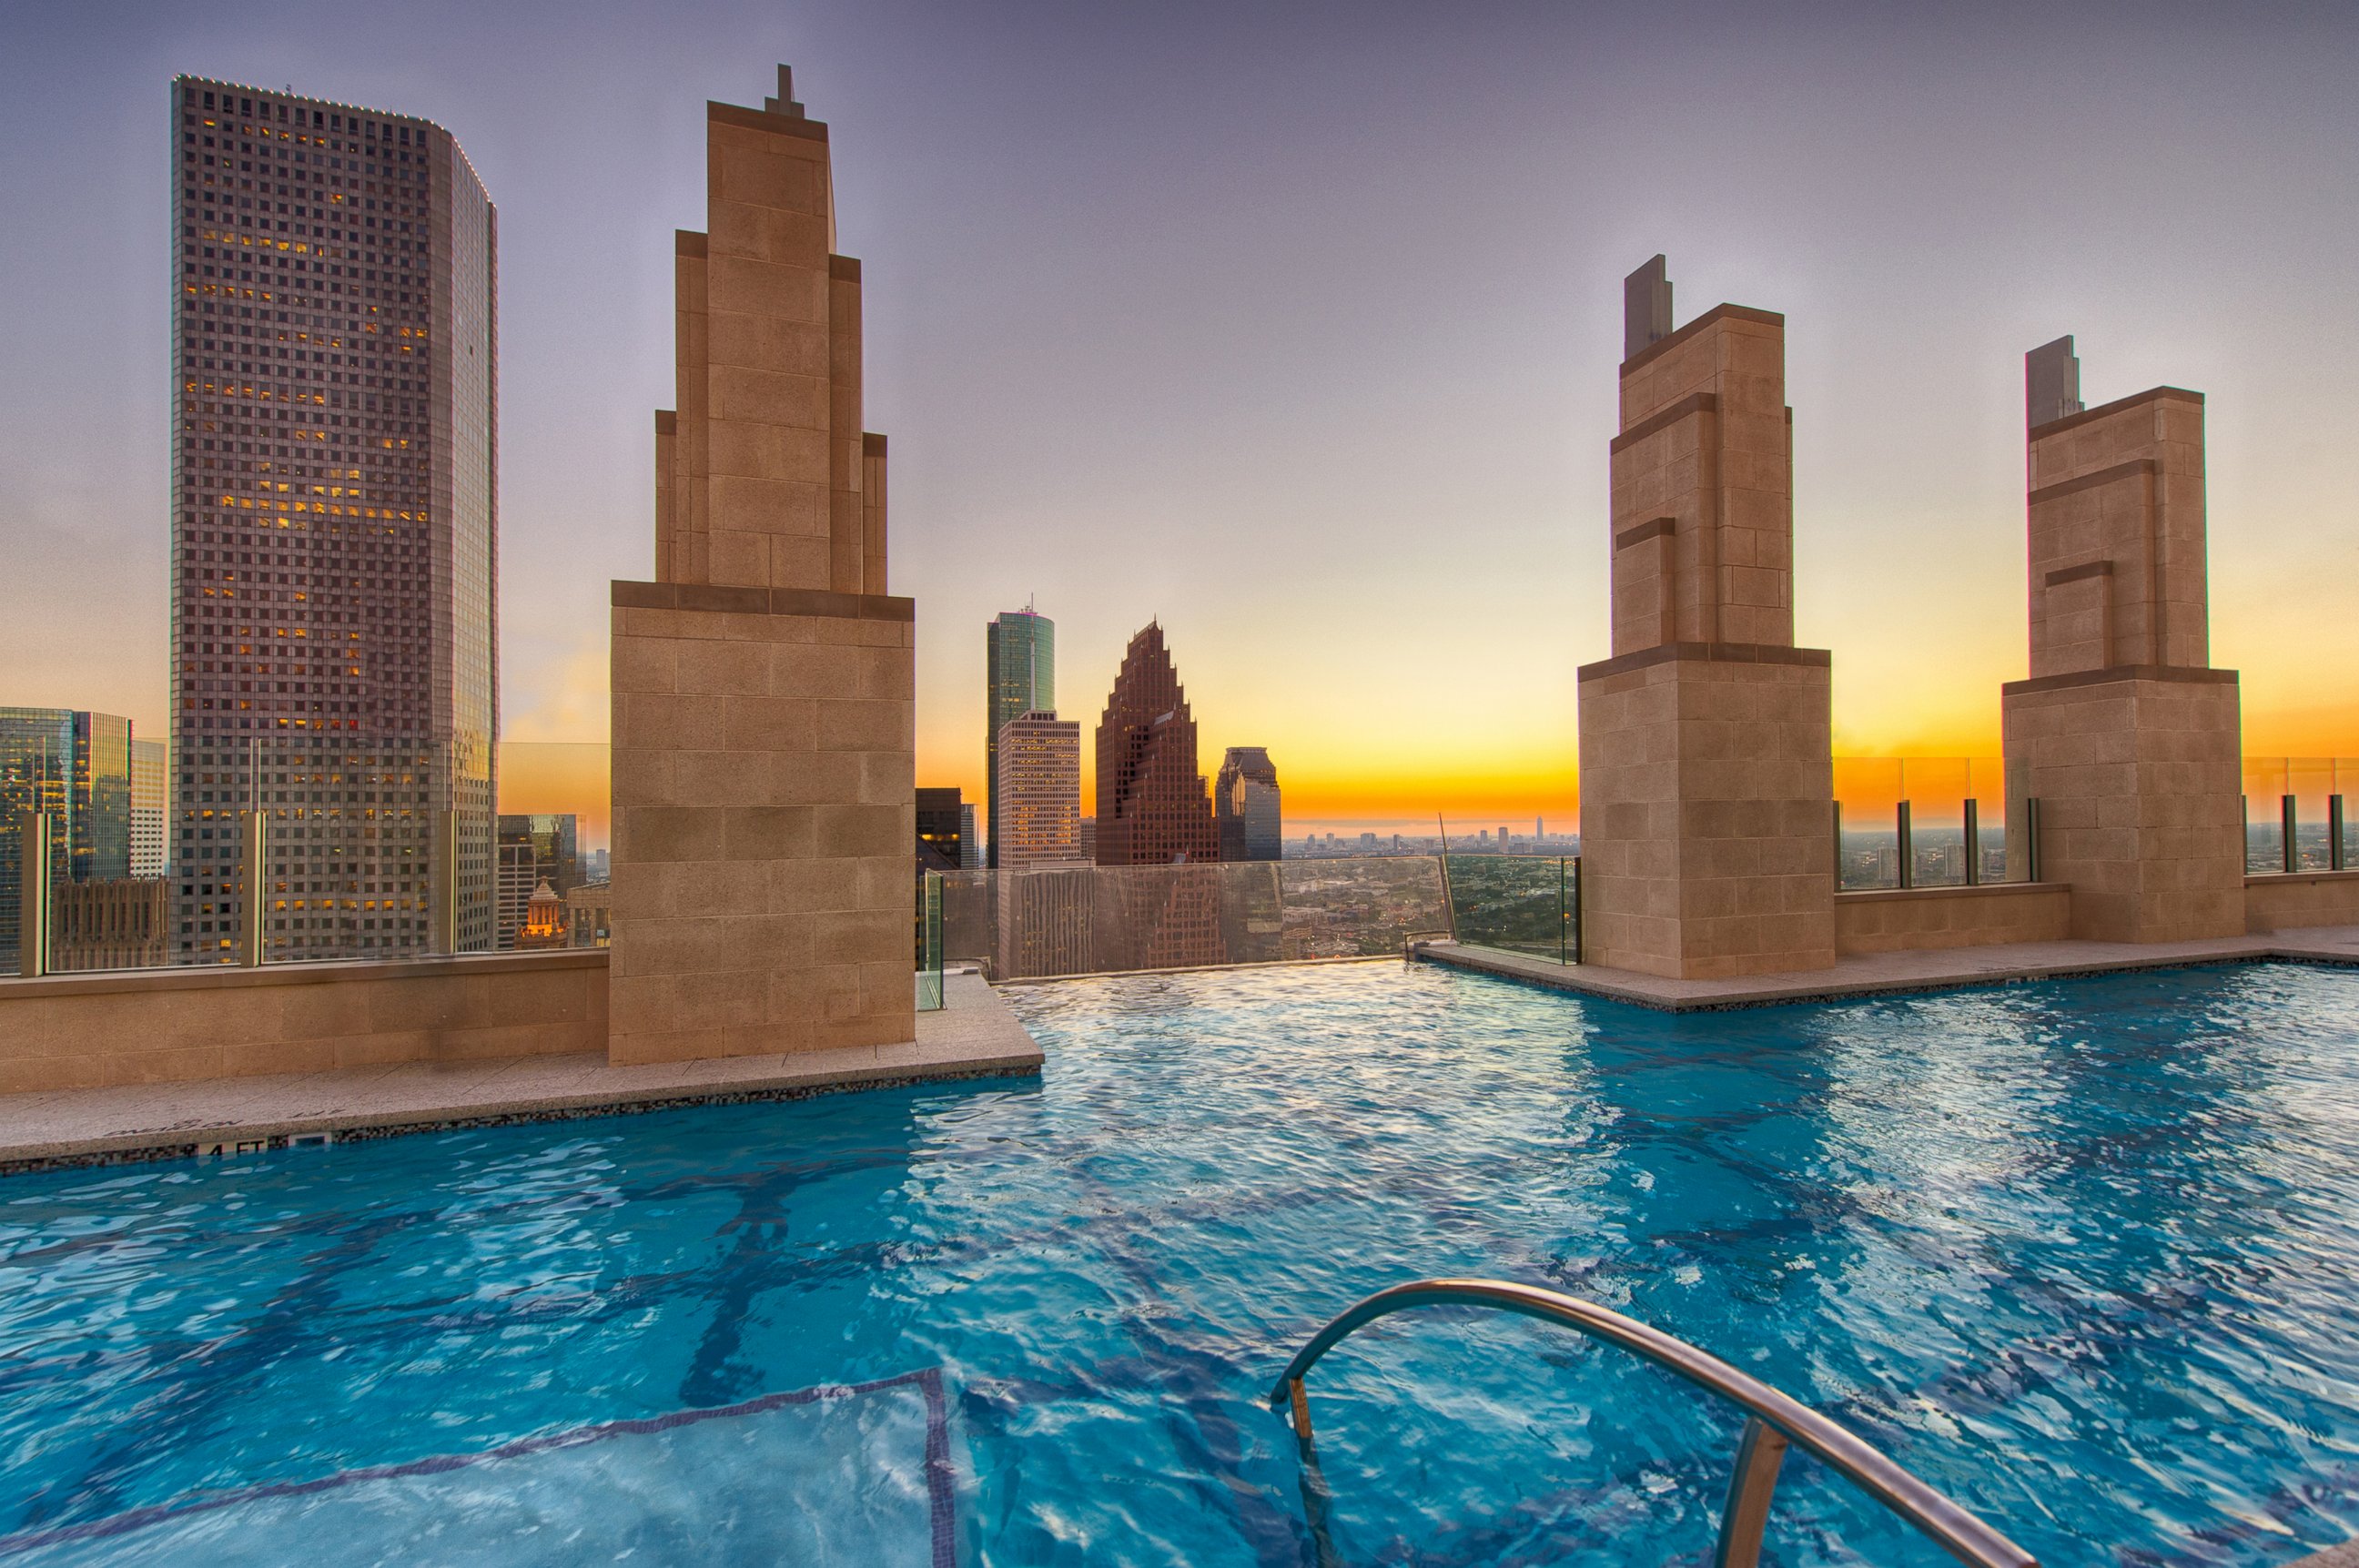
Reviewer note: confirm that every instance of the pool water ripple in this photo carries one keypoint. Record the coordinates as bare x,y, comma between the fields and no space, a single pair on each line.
2084,1255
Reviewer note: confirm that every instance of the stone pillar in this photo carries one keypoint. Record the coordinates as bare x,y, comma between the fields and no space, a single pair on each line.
763,685
1706,775
2125,733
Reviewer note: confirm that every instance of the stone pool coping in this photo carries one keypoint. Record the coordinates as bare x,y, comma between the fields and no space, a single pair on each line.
1886,974
974,1036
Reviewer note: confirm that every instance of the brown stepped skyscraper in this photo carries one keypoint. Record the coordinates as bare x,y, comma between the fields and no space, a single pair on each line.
1152,805
335,528
1152,810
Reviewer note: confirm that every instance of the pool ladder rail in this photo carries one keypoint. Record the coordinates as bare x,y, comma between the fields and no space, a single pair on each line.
1776,1420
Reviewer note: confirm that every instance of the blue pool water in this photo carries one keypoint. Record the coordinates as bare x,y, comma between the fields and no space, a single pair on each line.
2085,1254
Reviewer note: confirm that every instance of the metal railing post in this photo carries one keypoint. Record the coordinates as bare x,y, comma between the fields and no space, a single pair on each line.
33,894
1838,832
1973,843
1746,1513
2287,817
2031,839
1908,847
2334,832
250,947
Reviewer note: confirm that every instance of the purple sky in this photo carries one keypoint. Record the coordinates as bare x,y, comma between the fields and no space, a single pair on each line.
1293,325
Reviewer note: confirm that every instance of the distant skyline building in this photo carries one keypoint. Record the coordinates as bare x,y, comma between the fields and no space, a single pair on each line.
942,820
116,922
74,766
544,920
1038,788
1020,678
1246,805
151,804
334,523
535,847
1152,808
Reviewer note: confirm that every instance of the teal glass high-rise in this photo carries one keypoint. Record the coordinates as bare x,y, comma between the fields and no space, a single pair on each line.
1020,657
76,767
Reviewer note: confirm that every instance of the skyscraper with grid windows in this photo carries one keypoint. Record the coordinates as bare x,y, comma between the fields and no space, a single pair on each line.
335,526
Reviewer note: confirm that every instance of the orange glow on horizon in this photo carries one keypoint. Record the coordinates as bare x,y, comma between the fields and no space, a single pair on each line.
558,777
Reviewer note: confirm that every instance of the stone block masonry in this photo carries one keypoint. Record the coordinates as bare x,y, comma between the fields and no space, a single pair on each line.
765,806
1707,835
763,685
2125,734
1707,783
2138,781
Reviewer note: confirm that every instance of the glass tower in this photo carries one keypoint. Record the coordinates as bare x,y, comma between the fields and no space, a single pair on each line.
334,525
76,767
1246,805
150,804
1020,657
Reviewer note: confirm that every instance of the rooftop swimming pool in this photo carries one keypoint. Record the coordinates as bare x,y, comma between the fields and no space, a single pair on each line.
2083,1255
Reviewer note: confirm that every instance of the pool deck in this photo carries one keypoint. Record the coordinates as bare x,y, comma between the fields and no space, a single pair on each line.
974,1036
1869,974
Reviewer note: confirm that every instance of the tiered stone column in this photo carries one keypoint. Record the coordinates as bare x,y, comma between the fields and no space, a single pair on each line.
2124,732
1706,778
763,685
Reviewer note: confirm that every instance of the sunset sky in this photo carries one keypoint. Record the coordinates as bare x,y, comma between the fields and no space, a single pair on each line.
1294,327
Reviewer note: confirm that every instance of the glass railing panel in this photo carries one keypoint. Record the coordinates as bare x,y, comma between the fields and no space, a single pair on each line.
1936,789
353,842
2310,781
1867,847
2265,785
970,916
1986,786
1052,921
930,943
2346,785
553,827
360,858
1358,909
1517,903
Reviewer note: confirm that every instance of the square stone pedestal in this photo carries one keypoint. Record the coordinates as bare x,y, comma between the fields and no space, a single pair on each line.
1707,831
765,810
2138,778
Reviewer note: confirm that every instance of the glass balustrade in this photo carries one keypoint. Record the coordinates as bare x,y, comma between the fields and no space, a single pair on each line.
930,943
1091,920
1526,904
293,851
2294,813
1922,822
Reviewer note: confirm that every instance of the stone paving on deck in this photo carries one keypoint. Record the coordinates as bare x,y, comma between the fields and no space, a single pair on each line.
974,1035
1864,975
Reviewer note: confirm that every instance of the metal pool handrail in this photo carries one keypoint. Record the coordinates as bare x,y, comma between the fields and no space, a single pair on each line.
1776,1419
